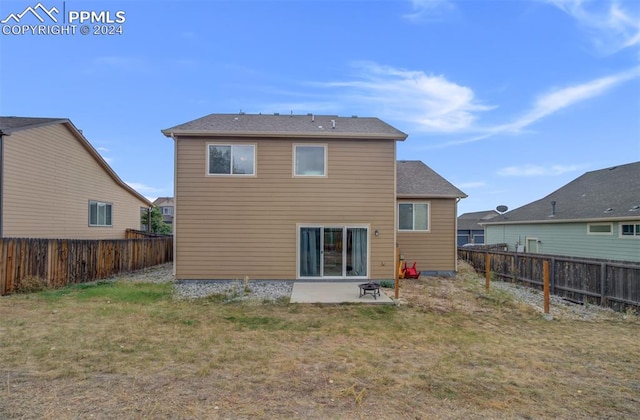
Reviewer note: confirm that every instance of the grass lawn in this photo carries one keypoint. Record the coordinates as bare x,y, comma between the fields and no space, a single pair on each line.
130,350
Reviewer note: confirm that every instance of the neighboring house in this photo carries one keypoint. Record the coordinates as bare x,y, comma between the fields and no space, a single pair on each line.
165,204
470,231
595,216
54,184
301,197
427,208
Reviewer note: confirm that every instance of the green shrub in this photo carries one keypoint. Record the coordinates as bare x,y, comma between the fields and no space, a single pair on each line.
388,284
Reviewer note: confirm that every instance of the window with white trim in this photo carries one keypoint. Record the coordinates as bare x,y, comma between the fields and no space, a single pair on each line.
630,230
100,213
600,228
231,159
310,160
413,216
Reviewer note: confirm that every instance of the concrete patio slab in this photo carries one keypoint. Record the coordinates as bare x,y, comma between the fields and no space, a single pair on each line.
334,292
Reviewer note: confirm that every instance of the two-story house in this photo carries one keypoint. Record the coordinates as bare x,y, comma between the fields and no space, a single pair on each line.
299,197
54,184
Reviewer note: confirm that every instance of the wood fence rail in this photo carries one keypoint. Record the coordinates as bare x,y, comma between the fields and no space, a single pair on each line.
60,262
614,284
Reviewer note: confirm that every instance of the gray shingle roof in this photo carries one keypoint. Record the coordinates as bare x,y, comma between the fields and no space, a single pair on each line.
263,125
415,179
597,195
11,124
471,221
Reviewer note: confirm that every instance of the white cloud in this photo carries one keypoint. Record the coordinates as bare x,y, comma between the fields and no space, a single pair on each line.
551,103
434,104
431,103
425,10
558,99
611,24
537,170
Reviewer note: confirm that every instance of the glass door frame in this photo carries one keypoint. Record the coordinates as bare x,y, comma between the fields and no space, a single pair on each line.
322,228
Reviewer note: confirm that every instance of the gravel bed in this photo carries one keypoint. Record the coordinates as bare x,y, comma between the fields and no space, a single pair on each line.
234,290
558,307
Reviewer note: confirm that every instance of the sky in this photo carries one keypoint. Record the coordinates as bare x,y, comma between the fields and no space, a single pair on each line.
508,100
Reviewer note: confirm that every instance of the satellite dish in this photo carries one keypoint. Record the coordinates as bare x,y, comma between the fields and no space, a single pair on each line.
502,208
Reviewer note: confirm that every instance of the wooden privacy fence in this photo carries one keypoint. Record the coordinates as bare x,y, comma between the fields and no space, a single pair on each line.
59,262
608,283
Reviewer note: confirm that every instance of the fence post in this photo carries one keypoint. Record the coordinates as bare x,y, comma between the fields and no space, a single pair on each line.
4,289
396,284
552,276
545,274
603,283
487,271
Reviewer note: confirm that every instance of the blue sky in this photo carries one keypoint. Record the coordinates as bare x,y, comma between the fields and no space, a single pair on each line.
508,100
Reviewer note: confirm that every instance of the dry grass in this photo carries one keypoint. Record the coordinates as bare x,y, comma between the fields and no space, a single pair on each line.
451,351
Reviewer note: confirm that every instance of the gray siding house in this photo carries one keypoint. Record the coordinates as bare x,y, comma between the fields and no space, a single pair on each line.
595,216
470,230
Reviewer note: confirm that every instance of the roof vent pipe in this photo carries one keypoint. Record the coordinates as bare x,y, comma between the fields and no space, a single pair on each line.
313,118
553,208
333,123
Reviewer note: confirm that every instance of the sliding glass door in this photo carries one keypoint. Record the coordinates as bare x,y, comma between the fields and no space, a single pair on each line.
333,251
333,260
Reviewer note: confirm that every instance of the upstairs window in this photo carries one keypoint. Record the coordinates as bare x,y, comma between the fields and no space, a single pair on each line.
630,230
231,159
99,213
413,216
310,160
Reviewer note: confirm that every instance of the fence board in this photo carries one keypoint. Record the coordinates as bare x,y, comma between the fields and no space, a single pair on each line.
608,283
60,262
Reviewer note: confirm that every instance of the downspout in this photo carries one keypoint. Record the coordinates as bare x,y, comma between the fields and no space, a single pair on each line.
2,134
455,235
175,200
396,249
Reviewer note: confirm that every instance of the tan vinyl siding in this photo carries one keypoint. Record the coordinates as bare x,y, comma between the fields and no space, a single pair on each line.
434,250
49,178
232,227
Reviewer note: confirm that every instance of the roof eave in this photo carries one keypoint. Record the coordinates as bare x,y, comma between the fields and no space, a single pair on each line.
271,134
581,220
423,196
